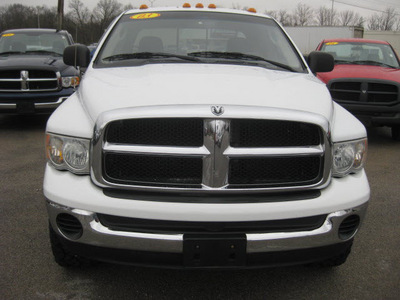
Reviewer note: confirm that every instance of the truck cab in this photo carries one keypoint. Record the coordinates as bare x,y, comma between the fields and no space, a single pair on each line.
33,77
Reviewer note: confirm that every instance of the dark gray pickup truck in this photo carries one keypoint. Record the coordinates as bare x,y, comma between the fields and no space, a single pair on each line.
33,77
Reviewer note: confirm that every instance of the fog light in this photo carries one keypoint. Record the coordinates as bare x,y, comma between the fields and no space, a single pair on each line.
349,227
69,226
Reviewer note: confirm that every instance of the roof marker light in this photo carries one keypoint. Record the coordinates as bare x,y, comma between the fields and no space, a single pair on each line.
212,6
186,5
199,5
252,10
143,6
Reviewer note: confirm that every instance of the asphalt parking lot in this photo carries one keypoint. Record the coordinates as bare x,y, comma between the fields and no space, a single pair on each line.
27,269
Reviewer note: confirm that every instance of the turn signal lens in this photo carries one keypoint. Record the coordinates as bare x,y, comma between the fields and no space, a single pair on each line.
72,81
54,147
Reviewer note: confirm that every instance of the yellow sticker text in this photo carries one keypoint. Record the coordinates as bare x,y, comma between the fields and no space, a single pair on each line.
145,16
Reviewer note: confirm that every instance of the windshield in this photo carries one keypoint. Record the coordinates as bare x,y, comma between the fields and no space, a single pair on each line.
25,42
361,53
193,37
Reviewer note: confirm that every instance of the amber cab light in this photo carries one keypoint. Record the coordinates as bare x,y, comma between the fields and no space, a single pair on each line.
186,5
212,6
143,6
252,10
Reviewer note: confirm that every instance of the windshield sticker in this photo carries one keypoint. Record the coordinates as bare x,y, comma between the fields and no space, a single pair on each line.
332,43
7,34
145,16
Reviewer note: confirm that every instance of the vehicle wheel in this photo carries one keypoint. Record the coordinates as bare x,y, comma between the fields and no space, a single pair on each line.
62,256
396,133
335,261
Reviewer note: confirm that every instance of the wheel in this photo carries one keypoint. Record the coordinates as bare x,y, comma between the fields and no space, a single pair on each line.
396,133
62,256
335,261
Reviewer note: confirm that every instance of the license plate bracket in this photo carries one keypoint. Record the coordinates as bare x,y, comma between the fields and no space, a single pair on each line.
214,250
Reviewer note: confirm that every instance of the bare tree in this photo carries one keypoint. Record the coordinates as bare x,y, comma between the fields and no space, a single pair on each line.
350,18
79,12
385,21
303,15
284,18
19,16
239,7
106,11
325,16
128,6
272,13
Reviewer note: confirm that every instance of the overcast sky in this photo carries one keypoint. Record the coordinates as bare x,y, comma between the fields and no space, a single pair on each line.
261,5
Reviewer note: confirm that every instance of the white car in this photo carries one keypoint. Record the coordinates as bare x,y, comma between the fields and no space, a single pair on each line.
200,138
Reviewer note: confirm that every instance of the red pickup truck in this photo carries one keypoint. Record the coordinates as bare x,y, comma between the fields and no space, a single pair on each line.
365,80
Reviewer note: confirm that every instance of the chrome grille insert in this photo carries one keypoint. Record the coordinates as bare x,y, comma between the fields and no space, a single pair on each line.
31,80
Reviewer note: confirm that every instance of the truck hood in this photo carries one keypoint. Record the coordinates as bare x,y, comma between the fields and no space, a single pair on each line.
199,84
18,61
361,71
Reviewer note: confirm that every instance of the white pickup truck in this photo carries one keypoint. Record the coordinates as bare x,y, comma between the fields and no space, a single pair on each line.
200,138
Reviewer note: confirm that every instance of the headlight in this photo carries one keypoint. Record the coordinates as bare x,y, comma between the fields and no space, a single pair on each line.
349,157
68,153
72,81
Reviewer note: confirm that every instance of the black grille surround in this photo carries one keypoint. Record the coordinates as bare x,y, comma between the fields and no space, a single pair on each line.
234,154
364,91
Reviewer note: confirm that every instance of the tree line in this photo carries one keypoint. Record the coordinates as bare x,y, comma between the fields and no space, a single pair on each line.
304,15
87,25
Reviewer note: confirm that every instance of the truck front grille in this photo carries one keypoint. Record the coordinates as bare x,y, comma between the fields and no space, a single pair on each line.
211,154
364,91
29,80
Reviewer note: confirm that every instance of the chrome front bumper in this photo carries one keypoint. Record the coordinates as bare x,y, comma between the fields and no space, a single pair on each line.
95,234
38,105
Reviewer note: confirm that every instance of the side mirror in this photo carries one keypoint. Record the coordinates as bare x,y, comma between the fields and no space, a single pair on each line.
319,61
77,55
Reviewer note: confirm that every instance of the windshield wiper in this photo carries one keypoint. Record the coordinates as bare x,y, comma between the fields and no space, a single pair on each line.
11,52
239,56
372,62
43,51
339,61
148,55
